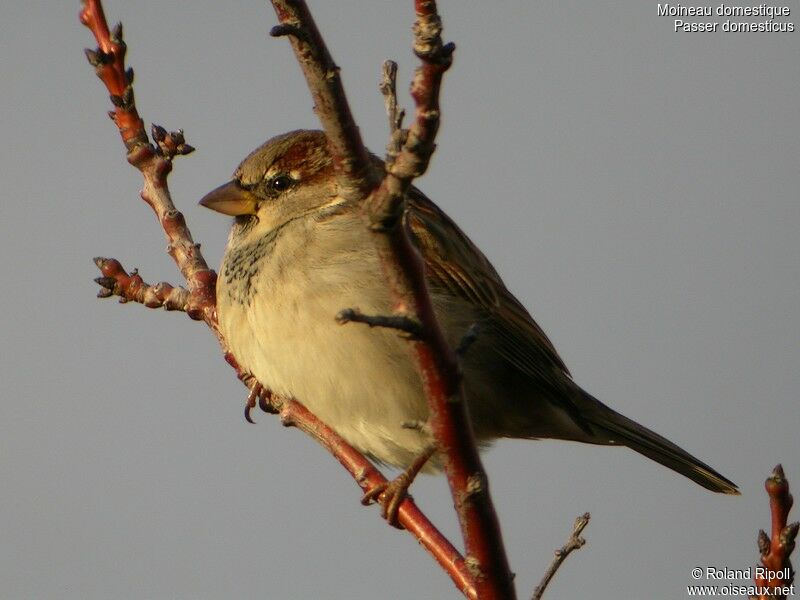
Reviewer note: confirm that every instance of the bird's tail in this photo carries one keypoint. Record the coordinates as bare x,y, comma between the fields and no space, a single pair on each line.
619,429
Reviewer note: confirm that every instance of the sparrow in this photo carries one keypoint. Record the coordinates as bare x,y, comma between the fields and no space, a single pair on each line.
298,254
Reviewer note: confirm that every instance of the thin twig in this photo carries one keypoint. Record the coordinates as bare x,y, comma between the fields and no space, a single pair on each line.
388,88
776,551
354,170
397,135
410,327
418,147
130,287
154,162
575,542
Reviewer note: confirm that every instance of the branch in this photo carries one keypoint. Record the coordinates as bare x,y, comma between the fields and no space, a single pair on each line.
293,413
437,361
405,325
575,542
130,287
777,574
418,143
154,162
388,88
199,301
383,208
355,173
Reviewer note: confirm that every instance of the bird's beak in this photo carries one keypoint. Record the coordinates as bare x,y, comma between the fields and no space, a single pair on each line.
231,199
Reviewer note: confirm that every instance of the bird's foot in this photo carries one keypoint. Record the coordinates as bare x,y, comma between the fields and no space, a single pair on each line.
390,495
258,395
251,402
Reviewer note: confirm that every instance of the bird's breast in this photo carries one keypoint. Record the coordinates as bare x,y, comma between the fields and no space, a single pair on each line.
278,298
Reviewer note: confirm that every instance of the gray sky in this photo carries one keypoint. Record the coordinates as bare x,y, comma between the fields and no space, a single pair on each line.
636,188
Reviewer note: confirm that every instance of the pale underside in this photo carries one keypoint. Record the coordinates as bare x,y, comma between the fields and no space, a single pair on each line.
363,381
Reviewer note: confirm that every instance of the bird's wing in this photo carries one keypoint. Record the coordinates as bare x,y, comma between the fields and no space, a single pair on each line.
453,262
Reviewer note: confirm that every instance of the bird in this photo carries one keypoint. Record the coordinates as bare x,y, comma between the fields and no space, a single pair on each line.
298,253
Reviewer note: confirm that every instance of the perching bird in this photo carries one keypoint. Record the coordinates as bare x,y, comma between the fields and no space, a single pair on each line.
298,254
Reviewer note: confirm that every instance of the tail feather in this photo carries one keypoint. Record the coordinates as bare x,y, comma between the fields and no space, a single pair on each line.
622,430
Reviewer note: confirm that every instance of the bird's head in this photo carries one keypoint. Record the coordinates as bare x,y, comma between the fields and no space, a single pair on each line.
287,177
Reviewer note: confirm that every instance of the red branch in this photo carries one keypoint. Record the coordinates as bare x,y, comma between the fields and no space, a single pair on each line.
775,552
109,63
154,161
450,421
294,414
199,301
355,173
130,287
450,424
383,208
368,477
414,156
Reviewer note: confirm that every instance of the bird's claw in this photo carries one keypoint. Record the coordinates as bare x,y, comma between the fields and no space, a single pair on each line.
258,395
390,496
250,404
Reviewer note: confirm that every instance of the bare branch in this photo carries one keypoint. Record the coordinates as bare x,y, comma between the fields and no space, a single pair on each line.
154,163
355,172
401,323
293,413
418,146
397,134
388,88
131,288
438,363
775,552
575,542
108,61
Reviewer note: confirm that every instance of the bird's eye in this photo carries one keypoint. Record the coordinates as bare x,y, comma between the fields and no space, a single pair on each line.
280,183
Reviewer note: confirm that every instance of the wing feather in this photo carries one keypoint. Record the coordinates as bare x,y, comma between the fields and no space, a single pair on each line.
454,263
